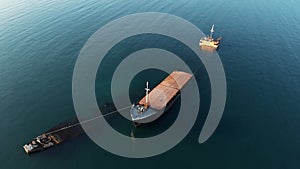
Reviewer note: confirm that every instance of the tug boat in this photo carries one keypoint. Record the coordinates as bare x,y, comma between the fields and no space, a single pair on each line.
39,143
209,41
56,135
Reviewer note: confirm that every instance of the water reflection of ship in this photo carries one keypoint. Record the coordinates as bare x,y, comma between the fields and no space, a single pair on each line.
209,42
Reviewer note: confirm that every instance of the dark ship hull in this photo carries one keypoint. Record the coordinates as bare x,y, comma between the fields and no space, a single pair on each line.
56,135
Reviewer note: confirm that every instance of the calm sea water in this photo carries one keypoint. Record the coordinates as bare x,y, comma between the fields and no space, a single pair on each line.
39,45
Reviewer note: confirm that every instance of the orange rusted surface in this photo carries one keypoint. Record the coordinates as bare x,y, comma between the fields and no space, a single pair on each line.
163,93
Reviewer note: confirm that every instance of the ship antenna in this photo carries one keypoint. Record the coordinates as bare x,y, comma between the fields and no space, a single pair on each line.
147,92
212,31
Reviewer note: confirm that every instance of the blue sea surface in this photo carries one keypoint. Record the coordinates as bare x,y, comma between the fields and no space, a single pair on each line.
41,40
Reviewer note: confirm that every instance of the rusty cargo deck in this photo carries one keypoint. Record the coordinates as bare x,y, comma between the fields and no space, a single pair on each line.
163,93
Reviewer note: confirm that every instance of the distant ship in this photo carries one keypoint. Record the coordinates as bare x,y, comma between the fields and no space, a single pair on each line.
160,99
54,136
209,41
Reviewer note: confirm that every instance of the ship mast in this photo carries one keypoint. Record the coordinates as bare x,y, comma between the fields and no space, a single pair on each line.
147,92
212,31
